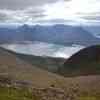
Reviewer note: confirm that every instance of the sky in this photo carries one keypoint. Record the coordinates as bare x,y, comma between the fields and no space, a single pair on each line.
74,12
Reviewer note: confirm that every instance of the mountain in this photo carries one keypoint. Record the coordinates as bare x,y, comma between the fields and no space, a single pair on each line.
95,30
85,62
58,34
20,80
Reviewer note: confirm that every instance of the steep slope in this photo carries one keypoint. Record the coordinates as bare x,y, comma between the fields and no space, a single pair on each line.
85,62
47,63
19,80
14,68
50,64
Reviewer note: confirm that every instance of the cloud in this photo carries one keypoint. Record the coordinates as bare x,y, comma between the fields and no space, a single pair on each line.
87,11
44,49
21,4
81,11
78,12
56,21
21,16
22,11
3,17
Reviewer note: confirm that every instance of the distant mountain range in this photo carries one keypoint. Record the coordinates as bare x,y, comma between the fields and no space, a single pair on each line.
94,29
58,34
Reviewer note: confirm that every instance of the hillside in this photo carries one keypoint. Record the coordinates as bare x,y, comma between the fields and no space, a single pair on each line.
47,63
20,80
15,68
85,62
50,64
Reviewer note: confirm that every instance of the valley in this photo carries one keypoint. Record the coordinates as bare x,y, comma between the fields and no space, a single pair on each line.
18,74
57,62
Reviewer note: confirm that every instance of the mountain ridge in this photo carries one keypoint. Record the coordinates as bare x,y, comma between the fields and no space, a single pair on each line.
58,34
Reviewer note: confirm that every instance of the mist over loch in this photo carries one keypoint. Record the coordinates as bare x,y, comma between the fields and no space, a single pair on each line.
44,49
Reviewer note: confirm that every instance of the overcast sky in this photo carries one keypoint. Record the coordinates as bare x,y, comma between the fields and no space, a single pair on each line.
84,12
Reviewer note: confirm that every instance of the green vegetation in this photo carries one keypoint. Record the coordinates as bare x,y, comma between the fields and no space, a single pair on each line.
88,98
48,63
10,93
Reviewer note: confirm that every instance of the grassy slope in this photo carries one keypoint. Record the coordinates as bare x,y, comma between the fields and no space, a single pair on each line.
48,63
15,94
79,88
13,67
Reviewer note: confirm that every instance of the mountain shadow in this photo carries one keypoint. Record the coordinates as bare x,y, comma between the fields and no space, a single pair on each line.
85,62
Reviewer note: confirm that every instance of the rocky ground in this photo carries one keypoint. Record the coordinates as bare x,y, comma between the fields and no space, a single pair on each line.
50,93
